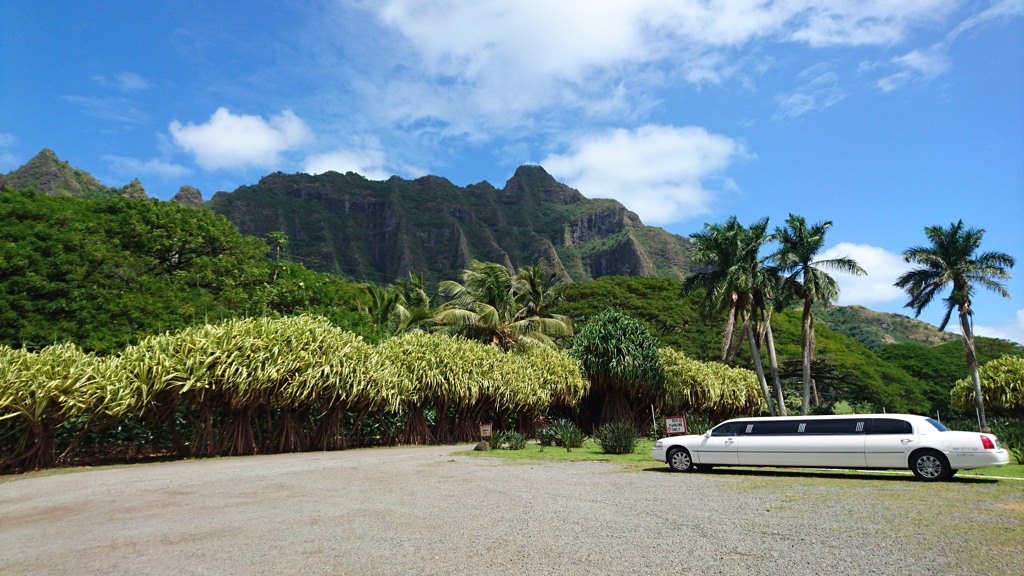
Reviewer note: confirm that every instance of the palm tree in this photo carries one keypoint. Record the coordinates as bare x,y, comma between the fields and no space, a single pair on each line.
952,259
736,282
278,241
806,279
493,306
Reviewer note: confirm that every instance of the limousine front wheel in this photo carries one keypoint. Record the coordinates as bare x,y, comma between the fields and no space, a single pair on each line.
679,460
930,465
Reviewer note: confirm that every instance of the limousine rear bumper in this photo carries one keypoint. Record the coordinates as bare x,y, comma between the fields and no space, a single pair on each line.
967,459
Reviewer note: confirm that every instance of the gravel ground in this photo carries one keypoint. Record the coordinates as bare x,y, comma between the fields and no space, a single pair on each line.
424,511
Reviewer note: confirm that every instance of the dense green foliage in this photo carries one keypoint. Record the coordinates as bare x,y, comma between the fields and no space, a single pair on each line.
1002,385
673,319
104,272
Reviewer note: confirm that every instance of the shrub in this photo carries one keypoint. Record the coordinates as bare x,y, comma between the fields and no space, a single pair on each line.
514,441
617,438
567,434
1011,436
547,437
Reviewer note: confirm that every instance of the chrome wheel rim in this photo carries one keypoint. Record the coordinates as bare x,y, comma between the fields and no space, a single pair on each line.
680,460
929,466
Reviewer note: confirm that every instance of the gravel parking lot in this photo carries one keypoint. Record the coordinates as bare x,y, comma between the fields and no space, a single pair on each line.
424,510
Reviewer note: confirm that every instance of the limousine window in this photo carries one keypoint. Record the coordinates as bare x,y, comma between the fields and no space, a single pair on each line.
938,425
844,426
772,428
727,429
890,426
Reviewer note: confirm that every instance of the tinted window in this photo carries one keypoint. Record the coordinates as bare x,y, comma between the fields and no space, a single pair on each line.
938,425
727,429
843,426
891,426
769,428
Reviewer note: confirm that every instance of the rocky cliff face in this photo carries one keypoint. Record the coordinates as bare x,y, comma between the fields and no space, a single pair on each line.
50,175
383,230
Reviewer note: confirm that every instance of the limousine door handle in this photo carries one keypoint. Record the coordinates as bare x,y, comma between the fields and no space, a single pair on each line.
906,441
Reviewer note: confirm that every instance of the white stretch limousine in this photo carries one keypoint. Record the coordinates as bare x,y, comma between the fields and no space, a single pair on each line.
856,441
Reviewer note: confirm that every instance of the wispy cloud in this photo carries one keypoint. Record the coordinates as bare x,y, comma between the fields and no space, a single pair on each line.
114,109
229,140
663,173
130,82
1012,330
135,167
819,90
7,158
922,65
882,267
470,68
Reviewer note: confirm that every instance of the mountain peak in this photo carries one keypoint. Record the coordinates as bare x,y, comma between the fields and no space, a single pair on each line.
531,181
48,174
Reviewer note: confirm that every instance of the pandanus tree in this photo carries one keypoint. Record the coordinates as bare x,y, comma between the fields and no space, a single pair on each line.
806,280
737,282
39,392
495,307
952,260
620,358
710,388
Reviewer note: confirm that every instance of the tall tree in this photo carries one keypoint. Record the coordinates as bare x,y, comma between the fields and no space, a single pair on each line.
952,259
805,279
491,305
735,281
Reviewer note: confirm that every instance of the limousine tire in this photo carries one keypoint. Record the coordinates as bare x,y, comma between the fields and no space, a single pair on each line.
930,465
679,460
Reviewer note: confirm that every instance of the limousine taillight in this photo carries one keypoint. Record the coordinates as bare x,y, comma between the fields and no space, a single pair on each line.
987,443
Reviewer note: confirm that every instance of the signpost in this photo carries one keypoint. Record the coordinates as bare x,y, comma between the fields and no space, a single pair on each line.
485,430
676,425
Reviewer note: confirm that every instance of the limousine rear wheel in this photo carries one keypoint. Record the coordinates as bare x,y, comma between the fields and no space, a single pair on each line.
930,465
679,460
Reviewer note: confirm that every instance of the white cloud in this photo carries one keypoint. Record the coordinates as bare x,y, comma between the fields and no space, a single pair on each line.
882,267
820,90
130,81
922,65
476,67
369,163
238,140
663,173
135,167
115,109
1012,330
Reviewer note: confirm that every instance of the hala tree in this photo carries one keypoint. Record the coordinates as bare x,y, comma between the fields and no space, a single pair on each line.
952,259
620,358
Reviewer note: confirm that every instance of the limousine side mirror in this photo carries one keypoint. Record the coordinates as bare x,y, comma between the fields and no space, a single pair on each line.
707,434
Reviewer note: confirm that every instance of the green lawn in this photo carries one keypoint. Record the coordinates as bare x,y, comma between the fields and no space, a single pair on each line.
641,459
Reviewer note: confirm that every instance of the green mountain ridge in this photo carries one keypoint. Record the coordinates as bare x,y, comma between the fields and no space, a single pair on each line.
47,174
383,230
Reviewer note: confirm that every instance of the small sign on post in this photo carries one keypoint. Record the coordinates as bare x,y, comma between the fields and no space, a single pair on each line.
485,430
676,425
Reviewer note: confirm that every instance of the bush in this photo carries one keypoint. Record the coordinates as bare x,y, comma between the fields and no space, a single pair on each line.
514,441
1011,436
507,441
566,434
547,437
617,438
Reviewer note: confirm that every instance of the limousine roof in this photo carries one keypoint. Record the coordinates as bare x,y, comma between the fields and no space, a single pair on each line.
912,417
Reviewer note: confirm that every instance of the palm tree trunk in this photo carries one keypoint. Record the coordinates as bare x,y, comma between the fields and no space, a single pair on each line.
773,363
972,364
756,355
730,326
805,343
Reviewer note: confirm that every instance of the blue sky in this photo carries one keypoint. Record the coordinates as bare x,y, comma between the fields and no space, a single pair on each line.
883,117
